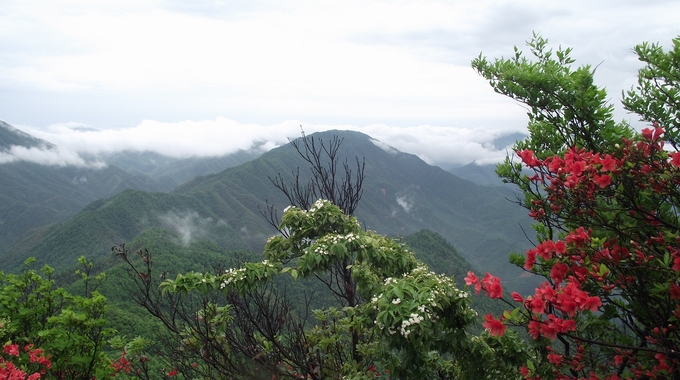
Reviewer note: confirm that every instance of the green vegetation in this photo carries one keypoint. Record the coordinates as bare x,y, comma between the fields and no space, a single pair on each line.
332,299
70,330
605,200
225,208
34,196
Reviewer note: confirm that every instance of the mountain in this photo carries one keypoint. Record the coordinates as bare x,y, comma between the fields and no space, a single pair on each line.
10,136
33,196
171,171
402,195
480,174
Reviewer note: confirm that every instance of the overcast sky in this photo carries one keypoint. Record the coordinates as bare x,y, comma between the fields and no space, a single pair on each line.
210,77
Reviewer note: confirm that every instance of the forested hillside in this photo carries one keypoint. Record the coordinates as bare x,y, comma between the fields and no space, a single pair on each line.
402,195
35,195
193,289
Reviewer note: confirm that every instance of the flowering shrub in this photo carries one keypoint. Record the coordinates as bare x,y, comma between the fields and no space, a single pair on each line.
605,200
33,368
612,290
406,322
71,329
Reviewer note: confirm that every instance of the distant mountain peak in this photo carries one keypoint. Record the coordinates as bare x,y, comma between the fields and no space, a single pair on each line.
386,147
10,136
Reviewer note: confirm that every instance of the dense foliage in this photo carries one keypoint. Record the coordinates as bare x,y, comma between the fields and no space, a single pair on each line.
50,331
605,203
605,200
408,321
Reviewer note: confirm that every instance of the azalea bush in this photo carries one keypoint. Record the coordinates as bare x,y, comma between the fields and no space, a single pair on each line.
22,363
605,201
51,331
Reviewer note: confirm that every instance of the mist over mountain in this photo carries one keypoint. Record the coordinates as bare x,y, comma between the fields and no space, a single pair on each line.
41,185
172,171
480,174
402,195
10,136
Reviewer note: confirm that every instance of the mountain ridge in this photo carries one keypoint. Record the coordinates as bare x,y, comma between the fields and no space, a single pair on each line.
402,195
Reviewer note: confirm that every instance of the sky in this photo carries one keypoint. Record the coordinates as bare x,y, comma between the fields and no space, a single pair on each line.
209,77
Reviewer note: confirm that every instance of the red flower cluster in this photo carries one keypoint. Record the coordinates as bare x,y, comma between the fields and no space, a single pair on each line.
491,284
629,196
122,364
496,327
9,371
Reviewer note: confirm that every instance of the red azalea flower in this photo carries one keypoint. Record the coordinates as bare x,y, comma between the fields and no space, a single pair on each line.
495,326
675,158
530,260
558,272
555,359
12,349
602,180
592,303
535,328
608,163
492,285
536,305
472,279
675,292
517,297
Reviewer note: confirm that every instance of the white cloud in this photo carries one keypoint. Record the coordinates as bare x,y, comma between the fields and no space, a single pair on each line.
435,145
398,71
46,156
359,62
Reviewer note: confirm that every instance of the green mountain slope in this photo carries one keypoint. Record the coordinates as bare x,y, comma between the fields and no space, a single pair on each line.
171,257
33,196
402,195
10,136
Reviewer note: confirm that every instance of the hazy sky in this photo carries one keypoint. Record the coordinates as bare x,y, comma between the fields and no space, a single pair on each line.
209,77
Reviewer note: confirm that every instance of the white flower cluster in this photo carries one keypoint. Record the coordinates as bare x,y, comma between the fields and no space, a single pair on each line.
374,301
414,319
233,275
330,240
318,204
321,250
287,208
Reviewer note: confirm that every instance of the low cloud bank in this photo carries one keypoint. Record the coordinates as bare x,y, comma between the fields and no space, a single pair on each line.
447,146
47,156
